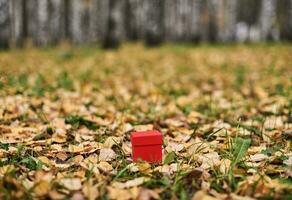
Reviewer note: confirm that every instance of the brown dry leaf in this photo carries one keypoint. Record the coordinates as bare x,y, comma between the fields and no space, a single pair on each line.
45,160
77,196
111,141
209,160
42,175
123,194
6,169
105,166
56,195
90,191
174,123
75,148
57,147
258,157
146,194
107,155
225,166
131,183
62,156
127,148
176,147
133,167
147,127
144,167
71,183
42,188
273,122
77,159
201,195
167,169
197,146
59,137
58,123
27,184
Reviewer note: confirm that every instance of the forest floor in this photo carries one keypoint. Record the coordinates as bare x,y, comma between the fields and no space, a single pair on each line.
66,115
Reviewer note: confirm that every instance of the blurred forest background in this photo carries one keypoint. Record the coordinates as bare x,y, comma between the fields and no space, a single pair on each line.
109,22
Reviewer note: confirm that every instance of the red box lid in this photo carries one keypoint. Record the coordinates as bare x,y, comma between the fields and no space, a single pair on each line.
146,138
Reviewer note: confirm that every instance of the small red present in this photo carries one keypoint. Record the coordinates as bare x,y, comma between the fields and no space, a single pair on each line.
147,146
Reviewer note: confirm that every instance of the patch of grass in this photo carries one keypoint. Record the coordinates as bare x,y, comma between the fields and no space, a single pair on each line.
31,163
4,146
240,73
238,149
78,121
66,55
39,86
171,157
64,81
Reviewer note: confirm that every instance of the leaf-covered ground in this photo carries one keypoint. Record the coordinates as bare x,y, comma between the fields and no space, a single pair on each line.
66,115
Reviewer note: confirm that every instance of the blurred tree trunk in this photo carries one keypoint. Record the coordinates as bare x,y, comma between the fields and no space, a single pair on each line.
4,24
135,19
43,32
45,21
17,22
227,19
57,23
284,19
248,16
101,18
154,22
79,21
31,18
207,23
116,24
267,20
181,18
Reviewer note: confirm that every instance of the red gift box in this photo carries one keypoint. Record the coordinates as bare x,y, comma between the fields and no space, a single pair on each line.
147,146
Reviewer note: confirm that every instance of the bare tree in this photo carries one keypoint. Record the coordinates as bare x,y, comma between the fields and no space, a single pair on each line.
154,21
181,19
116,23
227,20
17,23
4,23
267,20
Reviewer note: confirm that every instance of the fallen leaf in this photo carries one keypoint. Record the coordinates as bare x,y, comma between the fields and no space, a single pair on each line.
130,183
258,157
75,149
71,183
90,191
225,166
42,188
111,141
123,194
148,127
209,160
201,195
105,166
59,137
107,155
146,194
174,147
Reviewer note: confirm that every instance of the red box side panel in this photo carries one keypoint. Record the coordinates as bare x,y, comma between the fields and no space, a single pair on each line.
149,153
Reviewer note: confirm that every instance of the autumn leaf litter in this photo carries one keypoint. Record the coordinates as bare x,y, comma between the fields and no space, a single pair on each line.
227,132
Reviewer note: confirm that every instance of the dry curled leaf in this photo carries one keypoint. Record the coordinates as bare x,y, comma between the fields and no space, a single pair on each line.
42,188
71,183
105,166
107,155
